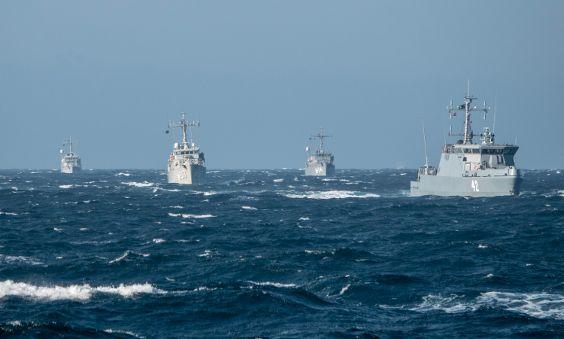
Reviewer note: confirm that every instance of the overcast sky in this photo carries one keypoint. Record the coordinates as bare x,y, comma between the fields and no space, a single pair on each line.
263,75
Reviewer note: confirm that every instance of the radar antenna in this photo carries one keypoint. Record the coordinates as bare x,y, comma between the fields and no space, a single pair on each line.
467,108
321,136
184,125
68,143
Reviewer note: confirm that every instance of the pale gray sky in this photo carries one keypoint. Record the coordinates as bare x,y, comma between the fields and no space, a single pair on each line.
262,75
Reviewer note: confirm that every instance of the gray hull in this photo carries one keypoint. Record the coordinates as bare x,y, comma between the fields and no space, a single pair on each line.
466,186
320,170
184,173
70,167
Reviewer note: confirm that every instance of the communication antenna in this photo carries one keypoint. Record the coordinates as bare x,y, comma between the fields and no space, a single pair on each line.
425,145
467,108
184,124
494,112
321,136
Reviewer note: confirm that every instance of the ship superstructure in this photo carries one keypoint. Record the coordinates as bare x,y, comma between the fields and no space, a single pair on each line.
320,162
186,164
70,161
467,168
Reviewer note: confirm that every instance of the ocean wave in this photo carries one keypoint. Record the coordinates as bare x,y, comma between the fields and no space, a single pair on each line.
448,304
129,333
334,194
344,289
273,284
249,208
206,193
536,305
10,259
127,254
9,288
191,216
138,184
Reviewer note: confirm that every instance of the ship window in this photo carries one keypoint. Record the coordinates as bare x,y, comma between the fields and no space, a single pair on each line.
464,159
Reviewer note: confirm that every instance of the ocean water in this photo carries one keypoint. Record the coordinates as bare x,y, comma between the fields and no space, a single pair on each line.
275,254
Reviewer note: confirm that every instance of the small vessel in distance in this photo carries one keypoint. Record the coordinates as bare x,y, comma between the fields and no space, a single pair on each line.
319,163
70,161
186,164
466,168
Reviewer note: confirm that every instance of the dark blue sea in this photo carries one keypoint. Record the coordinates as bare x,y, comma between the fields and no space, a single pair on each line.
275,254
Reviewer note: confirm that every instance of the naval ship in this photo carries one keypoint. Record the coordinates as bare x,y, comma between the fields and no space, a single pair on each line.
319,163
483,169
186,164
70,162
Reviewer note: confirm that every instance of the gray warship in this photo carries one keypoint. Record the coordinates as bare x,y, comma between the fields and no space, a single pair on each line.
186,164
483,169
320,162
70,162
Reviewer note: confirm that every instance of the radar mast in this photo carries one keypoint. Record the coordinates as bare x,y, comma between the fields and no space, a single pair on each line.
321,137
185,125
467,108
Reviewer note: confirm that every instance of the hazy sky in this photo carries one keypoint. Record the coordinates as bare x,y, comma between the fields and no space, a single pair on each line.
263,75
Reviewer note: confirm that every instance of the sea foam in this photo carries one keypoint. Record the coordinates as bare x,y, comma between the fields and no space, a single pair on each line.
334,194
138,184
9,288
536,305
191,216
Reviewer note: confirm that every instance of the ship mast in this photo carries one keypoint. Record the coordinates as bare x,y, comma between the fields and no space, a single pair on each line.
467,108
184,125
321,136
69,144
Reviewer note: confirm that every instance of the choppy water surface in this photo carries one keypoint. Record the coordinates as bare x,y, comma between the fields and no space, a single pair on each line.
273,253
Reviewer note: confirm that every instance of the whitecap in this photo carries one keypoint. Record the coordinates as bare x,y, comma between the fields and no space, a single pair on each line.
344,289
158,240
273,284
537,305
56,229
278,180
191,216
8,213
65,186
249,208
206,254
11,259
129,333
9,288
450,304
138,184
482,246
126,254
304,218
334,194
123,174
204,288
